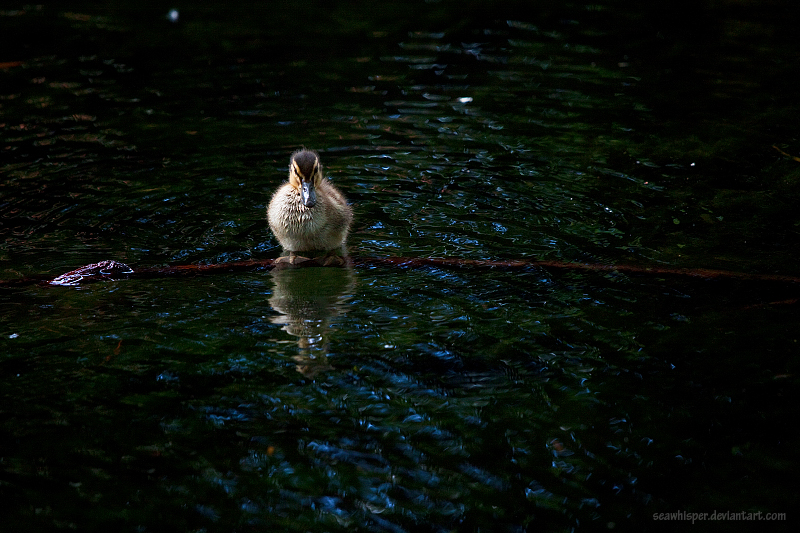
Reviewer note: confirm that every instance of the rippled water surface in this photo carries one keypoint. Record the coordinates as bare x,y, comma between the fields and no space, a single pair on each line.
389,396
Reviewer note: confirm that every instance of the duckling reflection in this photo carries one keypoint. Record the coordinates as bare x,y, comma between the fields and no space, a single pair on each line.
308,300
308,215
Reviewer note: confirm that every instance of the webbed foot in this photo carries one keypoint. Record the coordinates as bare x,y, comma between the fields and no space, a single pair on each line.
331,260
291,259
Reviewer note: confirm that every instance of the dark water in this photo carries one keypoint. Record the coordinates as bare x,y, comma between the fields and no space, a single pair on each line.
400,399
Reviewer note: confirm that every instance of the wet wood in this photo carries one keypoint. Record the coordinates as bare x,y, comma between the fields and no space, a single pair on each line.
112,270
787,155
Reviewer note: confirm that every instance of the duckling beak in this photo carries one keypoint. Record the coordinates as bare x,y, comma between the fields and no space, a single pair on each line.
307,194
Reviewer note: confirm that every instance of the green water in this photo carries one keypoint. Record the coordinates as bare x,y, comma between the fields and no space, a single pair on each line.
388,398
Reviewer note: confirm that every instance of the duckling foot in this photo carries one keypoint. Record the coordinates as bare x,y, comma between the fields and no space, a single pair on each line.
291,259
331,260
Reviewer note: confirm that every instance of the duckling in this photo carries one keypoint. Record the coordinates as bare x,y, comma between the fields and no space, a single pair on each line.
308,214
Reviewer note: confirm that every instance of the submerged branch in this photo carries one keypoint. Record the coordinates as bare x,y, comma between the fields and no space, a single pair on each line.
787,155
112,270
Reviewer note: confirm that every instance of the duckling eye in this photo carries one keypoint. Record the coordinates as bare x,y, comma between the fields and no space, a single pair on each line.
296,171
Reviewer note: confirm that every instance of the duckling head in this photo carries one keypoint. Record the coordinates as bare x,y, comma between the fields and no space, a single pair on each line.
305,173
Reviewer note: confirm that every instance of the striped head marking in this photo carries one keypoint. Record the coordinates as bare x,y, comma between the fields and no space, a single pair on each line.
305,172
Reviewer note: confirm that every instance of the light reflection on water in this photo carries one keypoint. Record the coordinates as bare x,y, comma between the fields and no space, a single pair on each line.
381,399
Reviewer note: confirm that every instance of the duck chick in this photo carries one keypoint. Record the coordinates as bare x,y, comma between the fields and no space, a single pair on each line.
308,215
